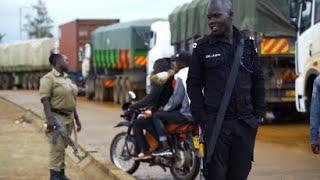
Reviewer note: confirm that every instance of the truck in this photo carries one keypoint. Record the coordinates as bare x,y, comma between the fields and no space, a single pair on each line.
120,58
267,22
23,63
305,16
72,39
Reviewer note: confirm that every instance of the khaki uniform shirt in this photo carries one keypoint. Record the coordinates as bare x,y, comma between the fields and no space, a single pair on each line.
62,93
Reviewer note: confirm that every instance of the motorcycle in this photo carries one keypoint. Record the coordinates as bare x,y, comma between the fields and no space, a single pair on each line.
183,139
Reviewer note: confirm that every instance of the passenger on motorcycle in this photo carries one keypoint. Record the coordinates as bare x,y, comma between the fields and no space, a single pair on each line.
161,90
177,110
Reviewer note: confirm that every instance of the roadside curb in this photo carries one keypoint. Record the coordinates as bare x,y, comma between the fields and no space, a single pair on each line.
93,164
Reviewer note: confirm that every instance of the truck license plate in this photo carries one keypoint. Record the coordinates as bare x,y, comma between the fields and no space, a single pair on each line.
196,142
290,93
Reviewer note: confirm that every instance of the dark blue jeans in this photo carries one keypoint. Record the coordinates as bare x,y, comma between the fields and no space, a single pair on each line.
138,126
161,117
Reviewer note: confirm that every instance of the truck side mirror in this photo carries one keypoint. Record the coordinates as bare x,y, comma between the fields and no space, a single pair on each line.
293,13
148,36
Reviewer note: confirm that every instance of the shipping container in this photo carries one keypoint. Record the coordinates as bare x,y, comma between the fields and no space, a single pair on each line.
74,35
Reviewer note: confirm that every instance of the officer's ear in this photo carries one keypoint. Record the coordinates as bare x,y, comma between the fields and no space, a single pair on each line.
231,13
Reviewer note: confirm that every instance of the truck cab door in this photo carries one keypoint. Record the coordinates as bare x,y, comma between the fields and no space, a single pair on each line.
303,47
315,42
305,35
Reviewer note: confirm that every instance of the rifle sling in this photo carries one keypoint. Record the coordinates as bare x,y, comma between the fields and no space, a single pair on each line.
225,100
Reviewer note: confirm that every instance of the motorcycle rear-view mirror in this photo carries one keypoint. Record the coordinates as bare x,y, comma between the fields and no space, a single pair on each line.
132,95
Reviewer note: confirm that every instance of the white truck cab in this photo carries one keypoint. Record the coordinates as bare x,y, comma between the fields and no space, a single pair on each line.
86,60
159,46
305,15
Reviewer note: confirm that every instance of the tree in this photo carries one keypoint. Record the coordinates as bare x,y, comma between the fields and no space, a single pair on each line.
40,25
2,36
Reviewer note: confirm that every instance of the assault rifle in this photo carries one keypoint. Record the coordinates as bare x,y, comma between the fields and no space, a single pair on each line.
60,130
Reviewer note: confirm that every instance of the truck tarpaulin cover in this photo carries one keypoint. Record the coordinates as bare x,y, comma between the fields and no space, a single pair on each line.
122,36
270,17
32,53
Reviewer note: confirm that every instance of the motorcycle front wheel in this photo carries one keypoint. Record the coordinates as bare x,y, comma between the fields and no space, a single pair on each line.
190,168
120,153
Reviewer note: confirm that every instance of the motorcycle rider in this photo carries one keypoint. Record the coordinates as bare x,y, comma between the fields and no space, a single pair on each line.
161,91
177,110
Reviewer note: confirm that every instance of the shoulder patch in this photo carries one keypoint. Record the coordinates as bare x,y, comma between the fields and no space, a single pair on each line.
48,75
251,43
200,41
194,45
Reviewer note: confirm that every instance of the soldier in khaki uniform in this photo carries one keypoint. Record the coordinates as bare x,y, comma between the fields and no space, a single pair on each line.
58,96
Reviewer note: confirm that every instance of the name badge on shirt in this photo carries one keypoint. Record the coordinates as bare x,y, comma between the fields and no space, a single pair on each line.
212,56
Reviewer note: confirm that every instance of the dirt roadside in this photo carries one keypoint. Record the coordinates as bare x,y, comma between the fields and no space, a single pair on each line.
24,149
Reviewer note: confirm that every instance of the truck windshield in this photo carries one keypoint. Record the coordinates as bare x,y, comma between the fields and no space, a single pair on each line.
317,12
152,39
305,20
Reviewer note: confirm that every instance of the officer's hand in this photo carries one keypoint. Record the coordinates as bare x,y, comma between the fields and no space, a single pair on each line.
260,120
78,123
131,107
199,119
315,148
50,125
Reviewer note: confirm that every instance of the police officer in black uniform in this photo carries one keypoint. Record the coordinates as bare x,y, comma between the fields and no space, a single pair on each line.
210,67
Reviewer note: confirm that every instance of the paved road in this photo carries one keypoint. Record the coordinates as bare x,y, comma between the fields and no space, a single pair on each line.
282,150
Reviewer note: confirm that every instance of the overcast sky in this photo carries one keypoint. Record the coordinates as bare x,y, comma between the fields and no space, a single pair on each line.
62,11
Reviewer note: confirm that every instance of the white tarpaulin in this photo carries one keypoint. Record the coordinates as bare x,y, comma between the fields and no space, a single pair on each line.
34,52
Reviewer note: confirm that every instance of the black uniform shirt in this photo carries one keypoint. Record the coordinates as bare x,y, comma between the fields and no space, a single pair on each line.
211,63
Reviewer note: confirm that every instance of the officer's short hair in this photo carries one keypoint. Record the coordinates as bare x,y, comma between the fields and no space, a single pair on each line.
163,64
53,58
226,3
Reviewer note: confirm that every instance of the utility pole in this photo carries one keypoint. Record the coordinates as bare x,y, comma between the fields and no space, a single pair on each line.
20,19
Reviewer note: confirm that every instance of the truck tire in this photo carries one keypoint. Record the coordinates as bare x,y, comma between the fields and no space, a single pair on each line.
89,88
123,93
127,88
138,85
96,89
1,81
29,80
103,91
100,90
35,81
5,81
24,82
109,94
116,90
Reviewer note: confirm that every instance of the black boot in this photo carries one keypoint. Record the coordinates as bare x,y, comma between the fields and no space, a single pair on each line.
63,175
55,175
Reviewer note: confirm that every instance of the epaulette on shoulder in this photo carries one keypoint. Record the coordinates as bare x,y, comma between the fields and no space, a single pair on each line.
48,75
250,42
201,41
250,39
